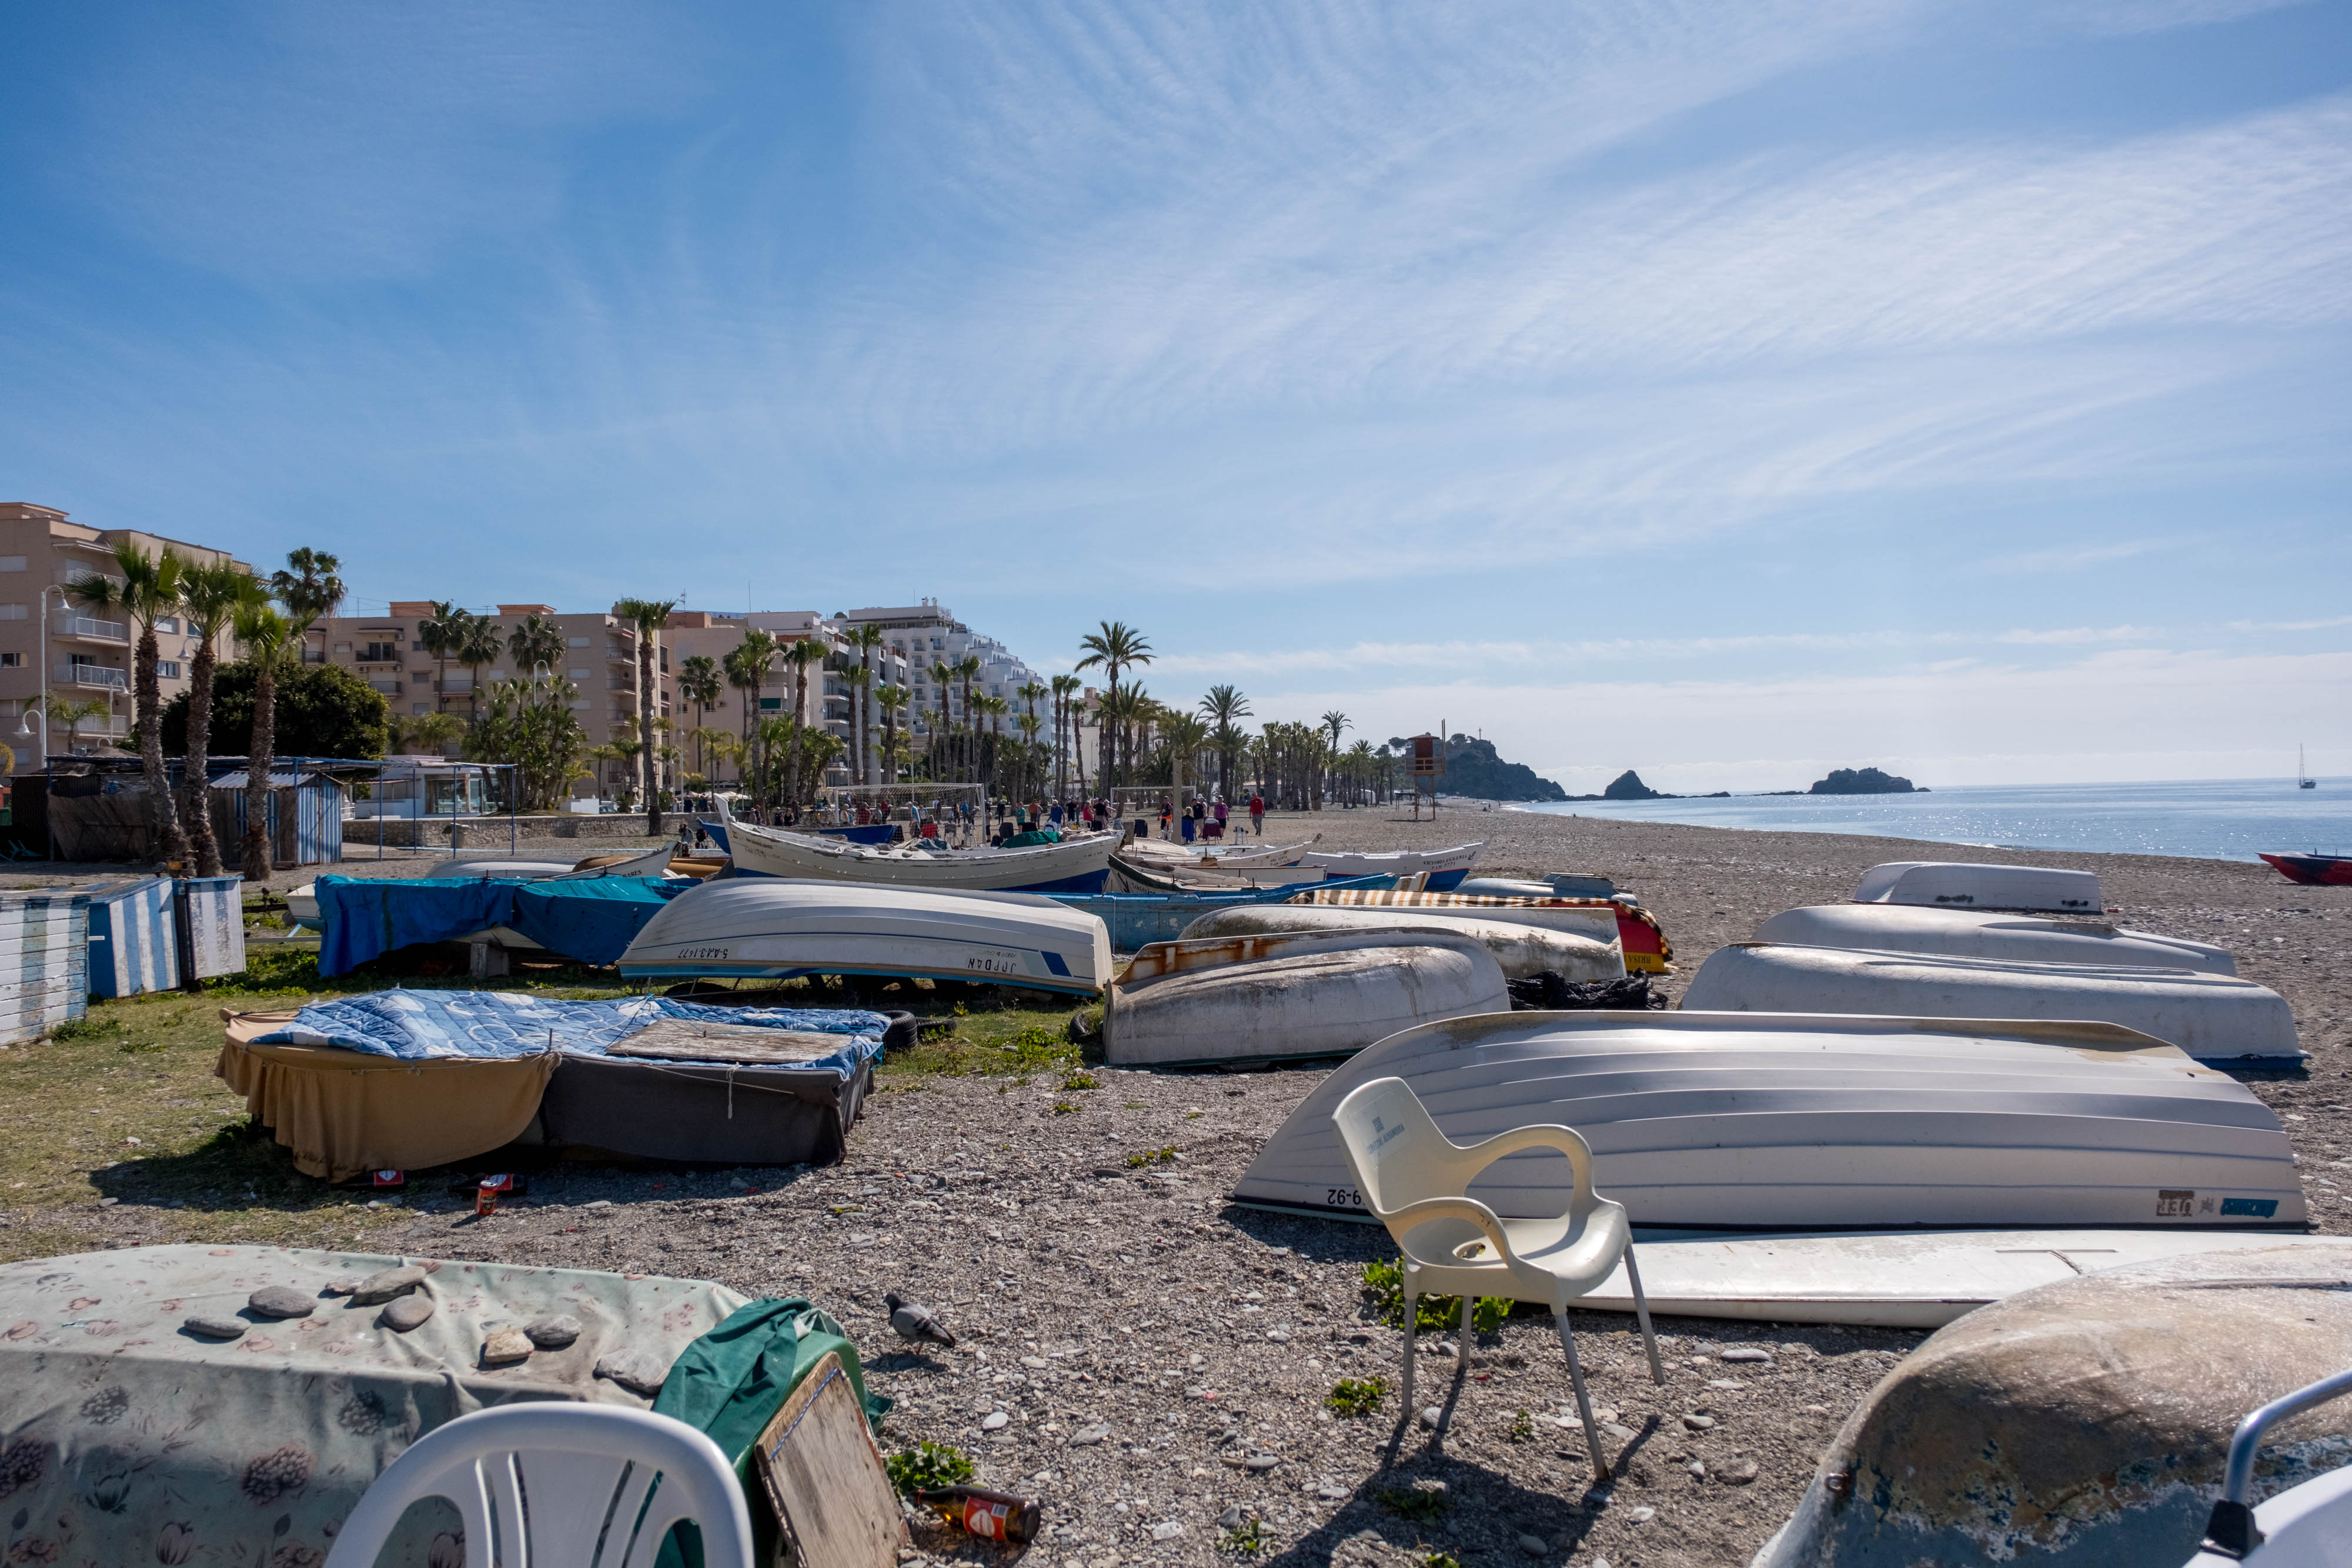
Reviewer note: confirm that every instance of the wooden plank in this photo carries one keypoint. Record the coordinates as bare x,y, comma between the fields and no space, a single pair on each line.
820,1469
678,1040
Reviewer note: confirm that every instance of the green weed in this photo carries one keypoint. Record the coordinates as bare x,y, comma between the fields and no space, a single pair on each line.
928,1465
1384,1289
1414,1503
1523,1428
1357,1395
1063,1108
1247,1541
1166,1157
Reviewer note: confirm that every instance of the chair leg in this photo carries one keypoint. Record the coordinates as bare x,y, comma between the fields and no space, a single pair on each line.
1411,1322
1463,1361
1641,1312
1583,1400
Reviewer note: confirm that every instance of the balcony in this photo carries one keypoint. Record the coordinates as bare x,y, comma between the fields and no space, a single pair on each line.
91,629
97,677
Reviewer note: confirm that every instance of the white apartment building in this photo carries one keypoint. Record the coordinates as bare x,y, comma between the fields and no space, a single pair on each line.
78,658
926,635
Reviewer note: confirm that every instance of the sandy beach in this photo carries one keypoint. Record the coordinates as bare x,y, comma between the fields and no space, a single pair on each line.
1163,1358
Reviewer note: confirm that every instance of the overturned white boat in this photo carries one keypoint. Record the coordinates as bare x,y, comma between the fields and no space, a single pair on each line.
1443,868
1962,884
1291,994
1522,951
1755,1122
1079,865
1639,935
769,928
1982,934
2213,1018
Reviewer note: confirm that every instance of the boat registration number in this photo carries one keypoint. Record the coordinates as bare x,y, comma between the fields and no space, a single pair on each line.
995,961
1342,1197
719,952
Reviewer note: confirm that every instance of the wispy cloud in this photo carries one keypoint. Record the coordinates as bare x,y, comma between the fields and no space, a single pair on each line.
2073,558
2328,625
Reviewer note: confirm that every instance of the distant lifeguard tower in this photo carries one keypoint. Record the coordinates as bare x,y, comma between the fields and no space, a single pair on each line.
1425,765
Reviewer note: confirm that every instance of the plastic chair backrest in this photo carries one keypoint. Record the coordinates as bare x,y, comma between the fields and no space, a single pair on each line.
1399,1157
560,1486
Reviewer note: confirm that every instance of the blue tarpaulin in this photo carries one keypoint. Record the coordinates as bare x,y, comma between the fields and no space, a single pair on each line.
425,1025
592,919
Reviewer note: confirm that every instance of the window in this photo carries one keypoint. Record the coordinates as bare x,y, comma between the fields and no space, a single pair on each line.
420,707
12,660
417,648
12,612
12,563
577,642
170,623
385,685
380,653
169,669
340,647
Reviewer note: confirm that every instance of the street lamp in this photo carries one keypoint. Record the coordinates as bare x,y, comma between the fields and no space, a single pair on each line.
24,731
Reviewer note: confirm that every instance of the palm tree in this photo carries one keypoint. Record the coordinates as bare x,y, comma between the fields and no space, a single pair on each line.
1334,723
798,657
1186,735
1115,647
943,673
211,594
647,616
267,638
967,670
480,645
893,701
747,665
859,679
309,587
864,639
1224,706
1064,689
149,587
699,683
426,732
994,709
538,641
443,633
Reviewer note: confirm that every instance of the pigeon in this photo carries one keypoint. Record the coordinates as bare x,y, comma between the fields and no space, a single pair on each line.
915,1323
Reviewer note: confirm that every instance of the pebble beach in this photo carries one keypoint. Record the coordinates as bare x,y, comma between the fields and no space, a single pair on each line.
1156,1364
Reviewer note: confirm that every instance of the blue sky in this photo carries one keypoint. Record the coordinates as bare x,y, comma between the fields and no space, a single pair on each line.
1727,390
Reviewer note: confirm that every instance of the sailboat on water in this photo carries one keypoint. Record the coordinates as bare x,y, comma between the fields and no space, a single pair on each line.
2303,778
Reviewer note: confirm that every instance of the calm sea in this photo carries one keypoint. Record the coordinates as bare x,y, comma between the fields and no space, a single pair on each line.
2210,820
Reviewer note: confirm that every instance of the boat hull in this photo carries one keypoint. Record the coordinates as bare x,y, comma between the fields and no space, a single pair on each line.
1639,935
2313,870
1964,884
2213,1018
771,928
1078,866
1138,919
1982,934
1292,995
1445,868
1753,1122
1521,951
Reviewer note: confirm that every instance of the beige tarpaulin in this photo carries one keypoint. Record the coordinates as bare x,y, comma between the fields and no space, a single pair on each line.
345,1112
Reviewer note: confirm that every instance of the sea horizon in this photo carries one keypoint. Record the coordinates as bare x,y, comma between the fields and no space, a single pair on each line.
2202,819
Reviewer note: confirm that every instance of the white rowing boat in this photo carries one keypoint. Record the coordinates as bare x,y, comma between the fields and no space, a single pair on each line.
1960,884
1444,868
2213,1018
1983,934
1078,865
1297,994
769,928
1755,1122
1522,951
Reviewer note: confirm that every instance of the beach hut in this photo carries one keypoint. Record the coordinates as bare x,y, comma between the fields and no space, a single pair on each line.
211,926
304,824
134,937
44,961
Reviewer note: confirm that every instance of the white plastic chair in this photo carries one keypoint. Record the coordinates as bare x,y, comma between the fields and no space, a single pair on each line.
1415,1180
559,1486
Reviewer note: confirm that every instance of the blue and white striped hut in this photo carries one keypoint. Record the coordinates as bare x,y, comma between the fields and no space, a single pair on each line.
44,961
134,948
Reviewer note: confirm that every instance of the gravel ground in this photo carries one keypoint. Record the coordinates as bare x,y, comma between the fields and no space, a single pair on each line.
1161,1358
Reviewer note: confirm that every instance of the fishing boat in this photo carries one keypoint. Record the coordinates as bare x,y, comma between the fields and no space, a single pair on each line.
1981,934
1137,919
1947,884
1788,1122
1443,869
2314,870
1560,886
1523,951
1639,935
773,929
2213,1018
1079,865
1887,1278
1129,876
2303,778
1292,994
1217,856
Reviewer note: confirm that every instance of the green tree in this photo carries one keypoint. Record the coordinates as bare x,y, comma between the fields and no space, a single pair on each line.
481,646
864,639
443,633
148,588
747,665
699,683
536,641
269,640
647,616
798,656
1065,688
308,585
530,726
892,700
1224,708
318,710
1117,647
212,594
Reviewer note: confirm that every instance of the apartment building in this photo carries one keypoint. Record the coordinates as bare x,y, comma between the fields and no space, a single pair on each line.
926,635
78,658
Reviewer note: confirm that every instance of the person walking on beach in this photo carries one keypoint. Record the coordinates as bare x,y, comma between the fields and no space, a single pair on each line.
1221,816
1257,814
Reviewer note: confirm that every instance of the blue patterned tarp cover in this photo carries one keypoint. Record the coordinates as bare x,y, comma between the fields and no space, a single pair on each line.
417,1025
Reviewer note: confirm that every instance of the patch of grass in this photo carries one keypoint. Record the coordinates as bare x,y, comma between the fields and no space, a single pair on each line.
1037,1048
1384,1291
1523,1428
1420,1505
1136,1105
1194,1115
1074,1081
1441,1560
1063,1108
928,1465
1357,1395
1247,1541
1166,1157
